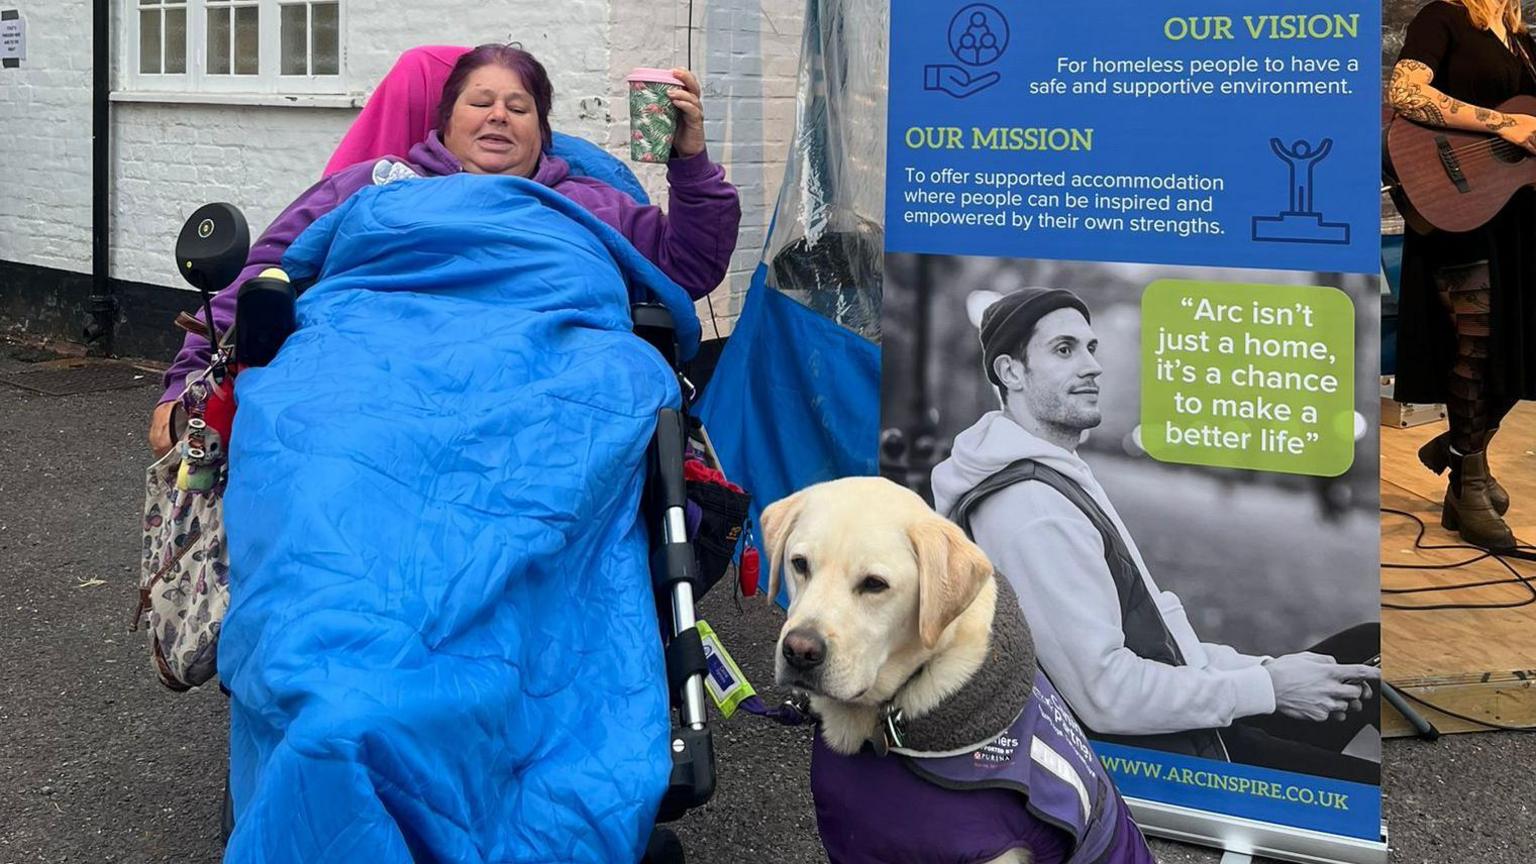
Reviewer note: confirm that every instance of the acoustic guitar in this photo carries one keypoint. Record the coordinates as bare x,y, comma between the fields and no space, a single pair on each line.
1454,180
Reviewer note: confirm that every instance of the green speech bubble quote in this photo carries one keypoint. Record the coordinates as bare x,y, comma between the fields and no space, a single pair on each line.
1248,376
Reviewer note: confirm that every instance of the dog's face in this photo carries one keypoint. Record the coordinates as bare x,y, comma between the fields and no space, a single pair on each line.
874,578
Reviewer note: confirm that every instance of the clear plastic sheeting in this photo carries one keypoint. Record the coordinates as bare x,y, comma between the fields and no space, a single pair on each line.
827,246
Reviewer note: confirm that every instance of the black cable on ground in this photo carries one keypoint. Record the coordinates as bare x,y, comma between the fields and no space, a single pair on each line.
1521,552
1418,543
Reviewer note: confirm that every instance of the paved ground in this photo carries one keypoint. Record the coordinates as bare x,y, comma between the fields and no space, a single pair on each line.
99,764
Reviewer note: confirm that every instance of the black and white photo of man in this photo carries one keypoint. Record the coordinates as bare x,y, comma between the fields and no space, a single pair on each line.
1122,651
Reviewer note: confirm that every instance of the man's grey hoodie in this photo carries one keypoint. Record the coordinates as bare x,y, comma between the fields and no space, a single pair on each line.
1054,558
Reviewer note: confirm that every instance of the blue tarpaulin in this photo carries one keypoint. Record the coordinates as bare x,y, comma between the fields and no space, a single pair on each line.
795,399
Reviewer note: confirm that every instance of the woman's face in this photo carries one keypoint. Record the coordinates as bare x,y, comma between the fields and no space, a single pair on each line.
494,128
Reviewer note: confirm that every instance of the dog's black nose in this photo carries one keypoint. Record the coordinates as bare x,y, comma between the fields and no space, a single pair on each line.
804,648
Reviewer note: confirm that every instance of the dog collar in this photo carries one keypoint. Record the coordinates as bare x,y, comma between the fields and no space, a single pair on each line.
988,703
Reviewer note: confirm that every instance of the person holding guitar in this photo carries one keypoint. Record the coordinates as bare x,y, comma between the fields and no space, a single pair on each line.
1468,305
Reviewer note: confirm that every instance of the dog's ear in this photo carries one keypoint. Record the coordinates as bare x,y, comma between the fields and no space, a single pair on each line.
950,573
778,520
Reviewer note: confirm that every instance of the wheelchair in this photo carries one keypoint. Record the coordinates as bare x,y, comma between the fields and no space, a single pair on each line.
211,252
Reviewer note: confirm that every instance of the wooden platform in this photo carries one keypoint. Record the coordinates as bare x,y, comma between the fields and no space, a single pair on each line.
1476,662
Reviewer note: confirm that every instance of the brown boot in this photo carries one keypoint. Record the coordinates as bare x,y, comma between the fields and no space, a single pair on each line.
1436,456
1467,508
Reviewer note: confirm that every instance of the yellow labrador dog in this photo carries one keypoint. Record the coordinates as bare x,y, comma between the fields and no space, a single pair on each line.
919,665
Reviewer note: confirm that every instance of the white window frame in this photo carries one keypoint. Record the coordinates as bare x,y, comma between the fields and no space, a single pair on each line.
136,9
196,81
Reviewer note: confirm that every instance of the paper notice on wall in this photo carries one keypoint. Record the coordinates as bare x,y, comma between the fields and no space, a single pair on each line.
13,38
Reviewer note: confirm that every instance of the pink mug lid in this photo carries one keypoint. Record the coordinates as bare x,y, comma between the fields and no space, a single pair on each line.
656,76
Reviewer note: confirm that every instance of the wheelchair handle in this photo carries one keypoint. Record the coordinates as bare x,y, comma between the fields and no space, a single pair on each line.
678,555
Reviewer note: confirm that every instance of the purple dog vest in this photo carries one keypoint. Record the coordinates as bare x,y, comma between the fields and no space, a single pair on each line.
1037,786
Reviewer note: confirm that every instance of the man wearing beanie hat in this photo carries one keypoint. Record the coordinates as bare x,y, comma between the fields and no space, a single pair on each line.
1121,651
1062,399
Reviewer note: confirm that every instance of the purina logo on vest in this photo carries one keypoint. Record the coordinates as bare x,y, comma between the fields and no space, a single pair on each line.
997,753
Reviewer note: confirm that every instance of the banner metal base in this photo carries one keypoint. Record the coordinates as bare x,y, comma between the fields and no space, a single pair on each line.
1244,839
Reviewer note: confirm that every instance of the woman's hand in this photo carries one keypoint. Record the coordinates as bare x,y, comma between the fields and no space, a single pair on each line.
1520,132
689,140
160,429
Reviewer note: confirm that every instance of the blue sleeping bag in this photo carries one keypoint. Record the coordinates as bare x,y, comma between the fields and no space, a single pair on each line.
442,641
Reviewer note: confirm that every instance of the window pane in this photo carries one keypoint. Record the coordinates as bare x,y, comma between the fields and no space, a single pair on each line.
295,40
176,40
327,39
149,41
247,40
218,41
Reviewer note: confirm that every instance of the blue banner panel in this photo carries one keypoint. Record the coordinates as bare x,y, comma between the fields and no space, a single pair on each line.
1221,134
1106,220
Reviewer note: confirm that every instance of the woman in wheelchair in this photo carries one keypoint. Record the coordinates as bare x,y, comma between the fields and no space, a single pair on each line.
441,641
493,119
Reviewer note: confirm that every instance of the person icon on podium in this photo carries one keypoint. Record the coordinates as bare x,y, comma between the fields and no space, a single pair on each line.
1300,222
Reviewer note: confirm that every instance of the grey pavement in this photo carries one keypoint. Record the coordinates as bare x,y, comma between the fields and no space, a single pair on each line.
98,763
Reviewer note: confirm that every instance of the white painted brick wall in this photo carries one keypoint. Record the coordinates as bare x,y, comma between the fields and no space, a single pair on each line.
750,51
747,54
45,139
170,158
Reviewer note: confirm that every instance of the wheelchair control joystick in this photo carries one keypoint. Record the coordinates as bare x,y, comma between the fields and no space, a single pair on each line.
211,252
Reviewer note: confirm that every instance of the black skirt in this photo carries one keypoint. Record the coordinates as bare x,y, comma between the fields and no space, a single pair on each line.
1426,341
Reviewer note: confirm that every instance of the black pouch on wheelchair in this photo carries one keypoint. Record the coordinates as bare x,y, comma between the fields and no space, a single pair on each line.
722,516
264,318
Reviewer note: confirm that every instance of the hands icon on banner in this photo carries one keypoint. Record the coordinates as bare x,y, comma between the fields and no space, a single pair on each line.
956,81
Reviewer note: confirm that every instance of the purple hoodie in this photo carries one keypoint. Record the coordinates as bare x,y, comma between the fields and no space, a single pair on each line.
692,244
